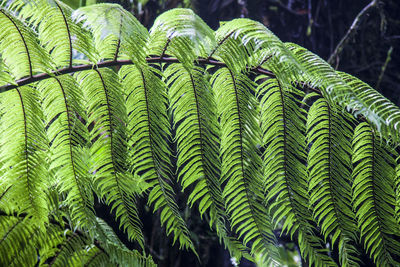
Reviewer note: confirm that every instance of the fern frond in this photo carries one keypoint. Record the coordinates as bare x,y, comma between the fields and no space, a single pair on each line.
149,129
5,76
239,38
19,47
373,196
197,135
69,140
13,237
181,33
350,93
329,166
117,33
58,34
241,162
285,178
23,151
107,117
378,110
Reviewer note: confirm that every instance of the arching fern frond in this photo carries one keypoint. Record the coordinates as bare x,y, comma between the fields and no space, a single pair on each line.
285,178
350,93
226,114
373,196
58,34
329,165
69,141
107,118
19,47
149,129
182,34
241,162
239,38
197,134
23,152
378,110
117,33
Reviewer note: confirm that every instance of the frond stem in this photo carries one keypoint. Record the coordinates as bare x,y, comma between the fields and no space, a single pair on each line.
111,63
26,146
242,155
219,44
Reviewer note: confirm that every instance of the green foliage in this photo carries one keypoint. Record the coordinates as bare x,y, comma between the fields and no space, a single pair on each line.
258,133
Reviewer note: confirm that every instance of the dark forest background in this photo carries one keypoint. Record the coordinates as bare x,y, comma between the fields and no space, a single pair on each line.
361,37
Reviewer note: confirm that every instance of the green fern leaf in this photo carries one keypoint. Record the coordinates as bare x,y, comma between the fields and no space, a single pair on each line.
19,47
329,166
107,115
378,110
23,152
149,128
240,172
117,33
373,196
197,135
239,38
282,124
182,34
57,33
69,137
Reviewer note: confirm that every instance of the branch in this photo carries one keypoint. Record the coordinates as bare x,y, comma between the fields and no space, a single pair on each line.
104,64
333,57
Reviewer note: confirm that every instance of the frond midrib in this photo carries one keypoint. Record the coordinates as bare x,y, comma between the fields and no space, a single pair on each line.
68,32
70,138
23,40
252,212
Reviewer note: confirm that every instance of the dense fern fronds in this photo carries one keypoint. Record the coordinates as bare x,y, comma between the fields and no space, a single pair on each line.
226,116
283,135
149,128
182,34
107,113
20,48
241,162
197,136
69,139
47,15
23,151
117,33
350,93
329,165
384,115
373,196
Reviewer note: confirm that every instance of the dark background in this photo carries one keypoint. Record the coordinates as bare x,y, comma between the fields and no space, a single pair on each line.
370,51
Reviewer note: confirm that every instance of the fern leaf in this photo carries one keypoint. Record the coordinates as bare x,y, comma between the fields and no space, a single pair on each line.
107,115
5,76
23,151
373,196
329,166
63,109
150,155
350,93
282,124
378,110
19,47
197,134
239,38
181,33
59,35
241,163
116,32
